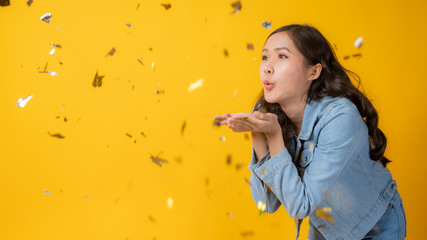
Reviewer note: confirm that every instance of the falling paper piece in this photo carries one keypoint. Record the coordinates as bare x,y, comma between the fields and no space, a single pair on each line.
97,81
239,166
169,202
46,17
160,92
325,213
184,124
111,52
85,197
22,102
47,192
57,135
29,2
235,93
358,42
140,61
127,134
246,118
357,55
217,123
158,160
346,57
4,3
153,66
137,6
261,207
247,233
151,218
250,46
225,52
56,45
128,25
52,52
230,214
237,7
166,5
222,139
195,85
246,136
228,159
266,24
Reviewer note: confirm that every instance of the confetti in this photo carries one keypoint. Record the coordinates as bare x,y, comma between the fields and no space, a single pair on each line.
239,166
178,159
85,196
128,25
143,134
158,160
47,192
56,45
358,42
97,80
247,233
153,66
246,118
22,102
217,123
29,2
52,52
160,92
325,213
261,207
235,93
222,139
111,52
237,7
46,17
357,55
151,218
228,159
169,202
50,72
346,57
166,5
140,61
184,124
4,3
230,215
225,52
250,46
266,24
57,135
129,135
195,85
246,136
137,6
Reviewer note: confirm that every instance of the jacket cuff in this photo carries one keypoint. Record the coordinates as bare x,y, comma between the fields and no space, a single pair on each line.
254,164
264,170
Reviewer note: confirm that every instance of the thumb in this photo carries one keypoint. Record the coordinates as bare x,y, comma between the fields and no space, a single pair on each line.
258,115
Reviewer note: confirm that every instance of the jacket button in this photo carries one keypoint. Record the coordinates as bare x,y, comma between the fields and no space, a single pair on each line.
321,227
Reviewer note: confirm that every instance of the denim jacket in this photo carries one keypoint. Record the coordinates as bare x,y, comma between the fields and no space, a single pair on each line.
335,172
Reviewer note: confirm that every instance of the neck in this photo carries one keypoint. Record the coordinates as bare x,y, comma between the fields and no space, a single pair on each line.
295,111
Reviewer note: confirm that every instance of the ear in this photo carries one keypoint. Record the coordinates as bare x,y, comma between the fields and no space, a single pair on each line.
314,72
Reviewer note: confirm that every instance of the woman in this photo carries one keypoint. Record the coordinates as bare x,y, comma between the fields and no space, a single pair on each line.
317,148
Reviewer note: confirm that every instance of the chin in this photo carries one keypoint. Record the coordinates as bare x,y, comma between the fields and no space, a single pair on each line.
270,99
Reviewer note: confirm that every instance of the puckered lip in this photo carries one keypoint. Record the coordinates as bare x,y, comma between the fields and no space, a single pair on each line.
267,85
266,82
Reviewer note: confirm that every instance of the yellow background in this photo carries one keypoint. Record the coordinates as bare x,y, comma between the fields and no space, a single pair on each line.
102,182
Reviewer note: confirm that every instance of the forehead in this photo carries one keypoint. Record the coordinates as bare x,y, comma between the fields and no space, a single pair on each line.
280,39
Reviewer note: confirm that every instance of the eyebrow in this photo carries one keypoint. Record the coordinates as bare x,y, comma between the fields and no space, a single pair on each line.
277,49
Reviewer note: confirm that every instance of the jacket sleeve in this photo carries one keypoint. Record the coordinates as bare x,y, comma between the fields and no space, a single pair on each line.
260,191
337,139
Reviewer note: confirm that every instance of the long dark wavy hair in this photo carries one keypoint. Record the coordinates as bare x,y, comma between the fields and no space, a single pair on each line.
334,81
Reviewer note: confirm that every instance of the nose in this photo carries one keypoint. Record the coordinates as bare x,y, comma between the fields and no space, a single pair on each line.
268,68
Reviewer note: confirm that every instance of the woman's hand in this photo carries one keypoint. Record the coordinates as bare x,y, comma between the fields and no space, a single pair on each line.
257,122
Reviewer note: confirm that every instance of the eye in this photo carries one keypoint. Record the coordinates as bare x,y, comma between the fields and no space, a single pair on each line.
281,56
264,58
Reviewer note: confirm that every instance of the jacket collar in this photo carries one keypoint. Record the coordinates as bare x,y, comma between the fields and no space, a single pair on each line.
311,112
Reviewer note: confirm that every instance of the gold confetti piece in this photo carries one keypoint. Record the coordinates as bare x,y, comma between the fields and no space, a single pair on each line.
4,3
225,52
246,136
246,118
261,206
166,5
235,93
158,160
127,134
137,6
325,213
57,135
140,61
237,7
195,85
346,57
29,2
47,192
52,52
153,66
169,202
357,55
239,166
247,234
85,196
266,24
56,45
143,134
184,124
250,46
230,215
111,52
228,159
178,159
50,72
46,17
151,218
222,139
160,92
247,181
128,25
97,80
358,42
22,102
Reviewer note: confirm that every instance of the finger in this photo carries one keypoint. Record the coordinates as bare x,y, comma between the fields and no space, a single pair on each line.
242,124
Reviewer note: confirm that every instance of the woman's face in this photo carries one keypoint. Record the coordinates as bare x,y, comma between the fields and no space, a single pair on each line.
283,71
